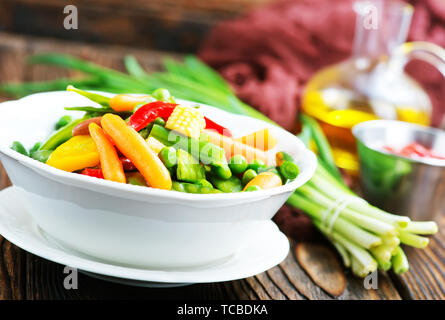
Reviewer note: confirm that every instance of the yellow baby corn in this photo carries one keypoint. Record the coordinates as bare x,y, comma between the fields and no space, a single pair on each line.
155,144
186,120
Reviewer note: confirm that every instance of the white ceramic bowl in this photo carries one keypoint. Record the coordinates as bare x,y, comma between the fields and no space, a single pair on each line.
132,225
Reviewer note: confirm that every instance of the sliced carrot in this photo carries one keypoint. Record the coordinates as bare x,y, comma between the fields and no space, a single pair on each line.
262,139
109,160
135,148
233,147
265,180
126,102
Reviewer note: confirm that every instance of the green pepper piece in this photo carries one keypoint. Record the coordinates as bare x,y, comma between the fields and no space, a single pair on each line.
238,164
102,100
248,175
17,146
189,168
233,184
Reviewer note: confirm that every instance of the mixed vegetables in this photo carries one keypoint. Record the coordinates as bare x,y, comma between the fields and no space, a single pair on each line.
150,140
366,237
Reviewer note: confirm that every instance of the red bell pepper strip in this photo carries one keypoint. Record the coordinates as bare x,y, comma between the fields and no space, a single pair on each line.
91,172
149,112
218,128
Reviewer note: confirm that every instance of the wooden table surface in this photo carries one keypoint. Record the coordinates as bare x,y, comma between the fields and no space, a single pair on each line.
311,270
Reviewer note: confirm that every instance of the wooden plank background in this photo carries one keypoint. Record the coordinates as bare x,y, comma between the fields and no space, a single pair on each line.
174,25
314,273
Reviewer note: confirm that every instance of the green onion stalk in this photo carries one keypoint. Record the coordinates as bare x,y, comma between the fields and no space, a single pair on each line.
365,237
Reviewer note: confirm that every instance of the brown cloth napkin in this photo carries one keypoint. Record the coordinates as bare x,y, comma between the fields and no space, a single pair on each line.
270,53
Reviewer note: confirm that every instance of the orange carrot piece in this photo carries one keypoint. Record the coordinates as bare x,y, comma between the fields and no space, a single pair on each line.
265,180
126,102
262,139
135,148
233,147
109,160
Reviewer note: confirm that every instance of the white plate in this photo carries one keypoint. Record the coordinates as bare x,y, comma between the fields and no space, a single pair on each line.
17,226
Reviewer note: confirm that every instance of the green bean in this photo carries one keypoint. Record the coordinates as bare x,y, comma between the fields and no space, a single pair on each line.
233,184
35,147
17,146
145,132
221,170
189,168
102,100
41,155
289,170
61,136
248,175
206,152
168,156
95,110
256,164
252,188
193,188
63,121
204,183
178,186
159,121
238,164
